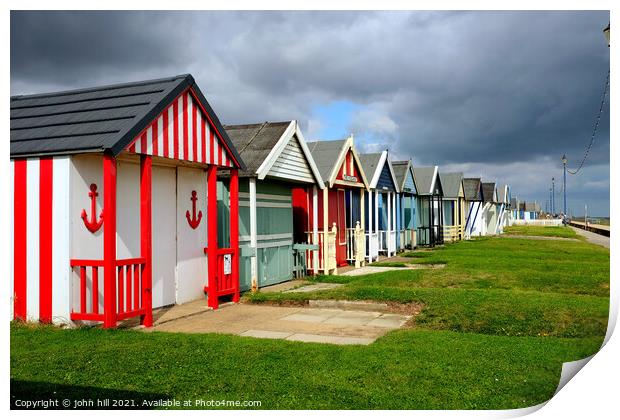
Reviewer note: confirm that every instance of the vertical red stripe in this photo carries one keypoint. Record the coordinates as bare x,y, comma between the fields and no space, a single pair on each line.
203,141
175,128
166,149
46,171
143,142
155,136
185,133
19,239
211,141
109,241
234,230
195,134
146,238
95,290
219,153
132,148
212,286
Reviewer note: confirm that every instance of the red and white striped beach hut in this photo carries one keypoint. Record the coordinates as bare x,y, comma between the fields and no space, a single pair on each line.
115,202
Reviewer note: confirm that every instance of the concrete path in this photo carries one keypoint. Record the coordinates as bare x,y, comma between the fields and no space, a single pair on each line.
333,326
315,287
593,237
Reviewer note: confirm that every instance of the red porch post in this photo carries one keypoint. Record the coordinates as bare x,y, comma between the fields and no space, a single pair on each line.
146,163
212,298
234,229
109,240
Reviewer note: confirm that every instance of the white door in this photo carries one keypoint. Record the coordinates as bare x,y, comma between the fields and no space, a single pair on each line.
164,235
191,233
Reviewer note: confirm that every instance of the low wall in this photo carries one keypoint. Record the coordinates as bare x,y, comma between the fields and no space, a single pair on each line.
600,229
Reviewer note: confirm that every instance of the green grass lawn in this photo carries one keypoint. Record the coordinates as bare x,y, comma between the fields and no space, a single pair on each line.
553,231
497,323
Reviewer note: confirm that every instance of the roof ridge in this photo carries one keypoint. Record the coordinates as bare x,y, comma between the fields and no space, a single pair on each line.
99,88
254,136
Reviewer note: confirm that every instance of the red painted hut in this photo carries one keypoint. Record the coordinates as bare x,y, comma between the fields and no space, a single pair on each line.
114,192
338,208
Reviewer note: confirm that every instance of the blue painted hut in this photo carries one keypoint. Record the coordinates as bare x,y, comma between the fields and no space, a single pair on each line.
405,205
380,220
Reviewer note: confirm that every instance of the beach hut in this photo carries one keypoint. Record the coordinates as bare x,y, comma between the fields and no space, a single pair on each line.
430,211
338,209
529,210
405,205
453,202
504,212
380,214
474,200
92,171
490,210
514,209
277,161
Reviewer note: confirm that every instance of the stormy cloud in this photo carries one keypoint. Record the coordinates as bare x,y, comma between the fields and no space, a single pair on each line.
495,94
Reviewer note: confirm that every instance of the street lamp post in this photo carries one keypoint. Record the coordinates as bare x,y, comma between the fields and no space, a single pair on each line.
553,195
564,162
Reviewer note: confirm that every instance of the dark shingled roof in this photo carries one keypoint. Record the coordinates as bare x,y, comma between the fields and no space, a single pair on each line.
99,119
370,162
423,178
529,206
400,168
325,155
471,187
488,189
451,183
255,141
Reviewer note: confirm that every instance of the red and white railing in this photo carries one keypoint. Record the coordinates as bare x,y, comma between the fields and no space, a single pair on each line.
128,285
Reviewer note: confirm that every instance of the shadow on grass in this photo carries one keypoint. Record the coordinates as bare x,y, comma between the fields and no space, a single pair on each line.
50,396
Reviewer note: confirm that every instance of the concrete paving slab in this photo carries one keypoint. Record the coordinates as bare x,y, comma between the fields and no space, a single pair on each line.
329,339
387,323
348,305
304,317
341,320
263,321
265,334
315,287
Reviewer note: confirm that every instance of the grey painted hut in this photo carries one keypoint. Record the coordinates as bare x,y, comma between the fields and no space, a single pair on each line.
453,201
474,199
277,160
430,210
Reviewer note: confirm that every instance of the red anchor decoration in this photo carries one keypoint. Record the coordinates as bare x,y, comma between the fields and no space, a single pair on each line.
193,221
92,225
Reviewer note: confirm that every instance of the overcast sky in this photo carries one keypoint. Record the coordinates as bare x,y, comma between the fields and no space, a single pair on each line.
501,95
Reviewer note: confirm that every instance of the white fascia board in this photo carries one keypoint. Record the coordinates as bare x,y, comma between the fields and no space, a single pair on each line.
339,161
304,147
378,169
435,175
407,171
271,158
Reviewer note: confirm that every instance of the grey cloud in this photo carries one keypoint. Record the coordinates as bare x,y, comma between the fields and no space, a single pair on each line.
484,89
